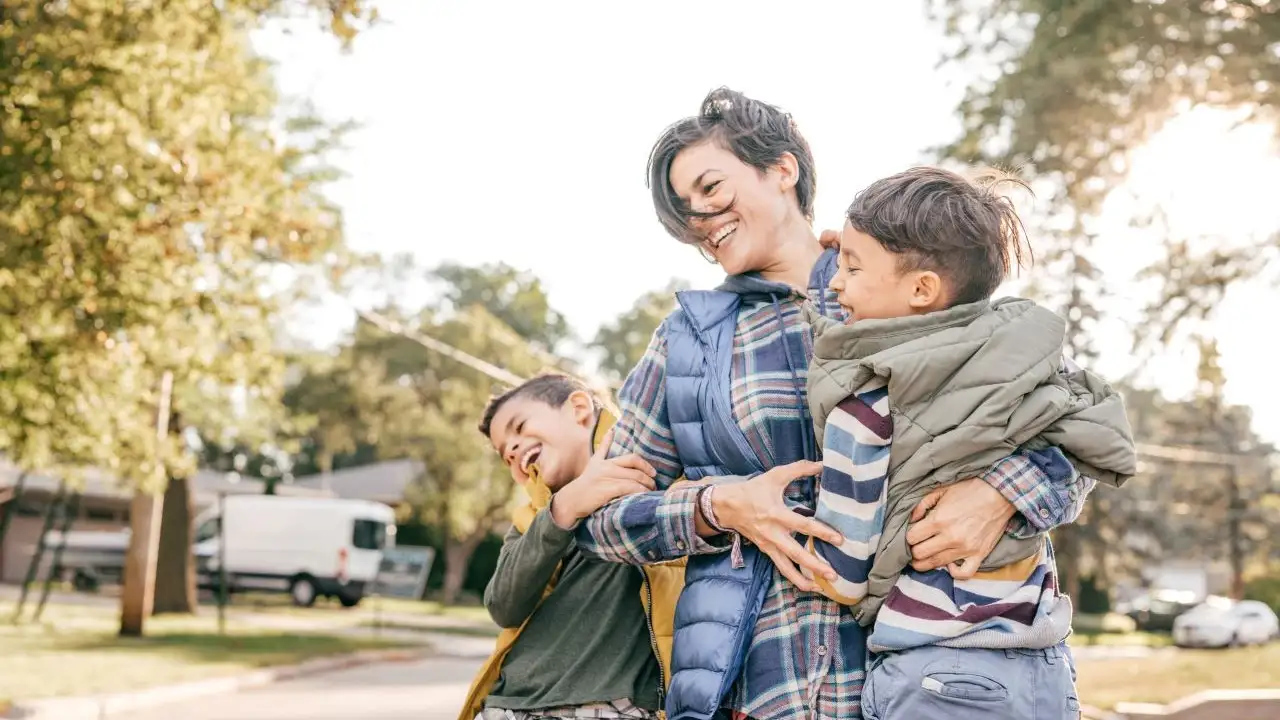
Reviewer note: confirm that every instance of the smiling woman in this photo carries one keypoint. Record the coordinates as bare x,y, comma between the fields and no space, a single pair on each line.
738,185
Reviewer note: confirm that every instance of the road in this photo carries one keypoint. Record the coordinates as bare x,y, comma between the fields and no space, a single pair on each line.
431,689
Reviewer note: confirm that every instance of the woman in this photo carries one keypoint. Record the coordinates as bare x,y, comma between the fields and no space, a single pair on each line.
719,396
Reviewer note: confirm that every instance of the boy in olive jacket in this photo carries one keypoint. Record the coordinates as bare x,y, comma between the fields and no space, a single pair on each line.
931,382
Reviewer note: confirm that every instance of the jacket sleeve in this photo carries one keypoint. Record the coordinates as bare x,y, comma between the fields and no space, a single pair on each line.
525,566
656,526
1092,441
1095,434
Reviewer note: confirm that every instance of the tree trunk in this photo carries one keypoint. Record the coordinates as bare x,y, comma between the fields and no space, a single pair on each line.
37,557
68,520
457,559
175,564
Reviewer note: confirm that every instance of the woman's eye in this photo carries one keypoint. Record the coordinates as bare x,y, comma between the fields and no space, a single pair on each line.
520,428
711,188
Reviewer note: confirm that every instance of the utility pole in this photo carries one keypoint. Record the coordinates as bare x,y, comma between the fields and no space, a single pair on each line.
138,593
1235,544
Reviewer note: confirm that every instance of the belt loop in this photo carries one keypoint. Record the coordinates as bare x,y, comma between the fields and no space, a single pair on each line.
1051,656
1009,653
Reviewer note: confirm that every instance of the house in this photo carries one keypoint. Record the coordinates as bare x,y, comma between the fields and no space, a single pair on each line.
386,482
103,506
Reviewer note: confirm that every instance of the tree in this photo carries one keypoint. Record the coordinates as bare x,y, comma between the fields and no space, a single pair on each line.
623,341
515,297
145,194
1068,89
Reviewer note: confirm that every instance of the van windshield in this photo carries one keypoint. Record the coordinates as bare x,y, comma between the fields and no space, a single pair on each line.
369,535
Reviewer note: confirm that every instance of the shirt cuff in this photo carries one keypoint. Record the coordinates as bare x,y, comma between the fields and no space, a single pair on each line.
676,520
1036,498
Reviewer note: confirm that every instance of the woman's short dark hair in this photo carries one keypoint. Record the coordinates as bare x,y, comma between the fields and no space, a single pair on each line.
756,132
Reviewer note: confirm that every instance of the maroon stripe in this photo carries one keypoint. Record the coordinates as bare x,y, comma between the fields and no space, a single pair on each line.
1022,612
879,424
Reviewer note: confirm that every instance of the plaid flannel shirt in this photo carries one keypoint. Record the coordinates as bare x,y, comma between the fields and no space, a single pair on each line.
807,654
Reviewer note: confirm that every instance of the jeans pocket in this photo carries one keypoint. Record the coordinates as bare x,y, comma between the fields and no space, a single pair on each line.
965,686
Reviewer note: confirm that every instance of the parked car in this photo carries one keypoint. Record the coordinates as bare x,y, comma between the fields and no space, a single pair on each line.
307,547
1219,622
1155,611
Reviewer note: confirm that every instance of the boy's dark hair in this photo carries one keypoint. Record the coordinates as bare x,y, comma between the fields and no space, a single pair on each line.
755,132
552,389
935,219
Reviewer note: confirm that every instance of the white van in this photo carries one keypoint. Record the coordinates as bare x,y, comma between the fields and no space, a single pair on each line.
308,547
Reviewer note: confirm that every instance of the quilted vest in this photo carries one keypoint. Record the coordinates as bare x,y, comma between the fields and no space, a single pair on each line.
717,611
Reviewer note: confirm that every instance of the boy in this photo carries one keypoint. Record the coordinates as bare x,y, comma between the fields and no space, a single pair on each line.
582,638
928,383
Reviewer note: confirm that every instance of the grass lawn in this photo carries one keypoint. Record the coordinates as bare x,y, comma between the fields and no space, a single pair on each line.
273,602
75,651
1128,639
1170,675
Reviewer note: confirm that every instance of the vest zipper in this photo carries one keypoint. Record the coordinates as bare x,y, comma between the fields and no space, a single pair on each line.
653,639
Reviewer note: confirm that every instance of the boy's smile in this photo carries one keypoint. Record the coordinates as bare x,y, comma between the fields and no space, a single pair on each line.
529,433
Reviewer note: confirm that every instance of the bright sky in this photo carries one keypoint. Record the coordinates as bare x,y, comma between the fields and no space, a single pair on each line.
518,132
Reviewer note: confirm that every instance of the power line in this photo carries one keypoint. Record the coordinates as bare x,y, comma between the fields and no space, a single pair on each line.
1193,455
395,328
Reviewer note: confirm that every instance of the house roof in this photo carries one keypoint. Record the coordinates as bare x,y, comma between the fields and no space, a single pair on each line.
383,482
206,483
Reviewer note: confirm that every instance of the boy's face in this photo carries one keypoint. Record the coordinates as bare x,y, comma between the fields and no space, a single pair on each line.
869,284
527,432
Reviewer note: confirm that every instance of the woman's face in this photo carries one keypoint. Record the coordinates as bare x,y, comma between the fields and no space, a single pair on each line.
710,178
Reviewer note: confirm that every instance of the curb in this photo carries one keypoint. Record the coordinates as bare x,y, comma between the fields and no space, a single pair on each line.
98,707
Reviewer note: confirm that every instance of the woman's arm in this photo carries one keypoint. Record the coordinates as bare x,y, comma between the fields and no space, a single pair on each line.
655,526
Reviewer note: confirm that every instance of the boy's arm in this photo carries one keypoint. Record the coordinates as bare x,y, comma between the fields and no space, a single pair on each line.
525,565
656,526
855,466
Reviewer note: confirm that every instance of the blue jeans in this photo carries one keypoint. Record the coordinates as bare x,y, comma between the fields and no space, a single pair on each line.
959,684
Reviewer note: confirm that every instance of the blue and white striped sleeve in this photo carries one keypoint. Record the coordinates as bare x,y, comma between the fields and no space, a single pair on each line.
855,468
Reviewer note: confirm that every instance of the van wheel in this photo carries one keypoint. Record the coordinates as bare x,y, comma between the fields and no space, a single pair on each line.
349,601
303,591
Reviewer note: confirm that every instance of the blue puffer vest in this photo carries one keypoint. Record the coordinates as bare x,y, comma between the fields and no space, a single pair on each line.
716,615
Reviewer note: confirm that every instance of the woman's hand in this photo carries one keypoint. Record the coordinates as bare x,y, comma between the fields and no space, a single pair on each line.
957,526
755,510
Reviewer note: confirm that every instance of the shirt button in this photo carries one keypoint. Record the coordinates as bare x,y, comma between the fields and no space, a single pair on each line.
1044,512
653,554
680,545
822,650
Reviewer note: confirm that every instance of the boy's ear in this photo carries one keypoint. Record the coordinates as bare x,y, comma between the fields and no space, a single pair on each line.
583,408
926,291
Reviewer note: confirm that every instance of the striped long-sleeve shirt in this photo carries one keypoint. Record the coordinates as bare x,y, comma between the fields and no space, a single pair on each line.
1017,606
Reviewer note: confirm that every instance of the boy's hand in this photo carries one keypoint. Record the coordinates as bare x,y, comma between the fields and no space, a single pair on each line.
603,481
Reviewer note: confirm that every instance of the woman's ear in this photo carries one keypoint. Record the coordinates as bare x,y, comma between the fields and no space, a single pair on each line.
583,407
788,171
